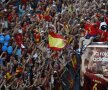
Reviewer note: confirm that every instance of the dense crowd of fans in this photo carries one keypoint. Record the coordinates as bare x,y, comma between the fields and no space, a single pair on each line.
32,65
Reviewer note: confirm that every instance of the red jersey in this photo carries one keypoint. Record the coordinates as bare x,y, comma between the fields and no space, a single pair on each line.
92,30
92,82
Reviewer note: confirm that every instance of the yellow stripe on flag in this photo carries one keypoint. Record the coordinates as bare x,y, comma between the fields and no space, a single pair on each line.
56,42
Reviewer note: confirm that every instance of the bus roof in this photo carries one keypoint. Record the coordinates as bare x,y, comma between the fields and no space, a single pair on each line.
99,44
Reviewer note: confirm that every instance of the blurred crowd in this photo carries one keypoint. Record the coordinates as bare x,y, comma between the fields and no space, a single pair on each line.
32,65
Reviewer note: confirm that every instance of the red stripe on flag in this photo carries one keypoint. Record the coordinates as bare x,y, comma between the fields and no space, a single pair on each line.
55,48
55,35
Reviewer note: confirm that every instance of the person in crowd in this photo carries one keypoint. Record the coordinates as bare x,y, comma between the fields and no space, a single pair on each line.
26,61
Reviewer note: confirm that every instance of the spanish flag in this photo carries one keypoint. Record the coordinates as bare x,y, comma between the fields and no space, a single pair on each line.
56,41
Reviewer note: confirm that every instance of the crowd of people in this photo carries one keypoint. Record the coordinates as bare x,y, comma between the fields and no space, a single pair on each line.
32,65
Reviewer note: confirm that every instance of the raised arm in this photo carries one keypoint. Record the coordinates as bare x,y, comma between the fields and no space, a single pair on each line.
3,82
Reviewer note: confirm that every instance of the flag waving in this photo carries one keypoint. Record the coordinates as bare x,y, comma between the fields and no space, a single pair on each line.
56,41
18,70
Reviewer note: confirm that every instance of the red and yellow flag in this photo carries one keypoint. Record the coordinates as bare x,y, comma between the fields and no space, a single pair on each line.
18,70
56,41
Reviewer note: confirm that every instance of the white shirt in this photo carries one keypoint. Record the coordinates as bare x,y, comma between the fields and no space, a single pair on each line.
101,24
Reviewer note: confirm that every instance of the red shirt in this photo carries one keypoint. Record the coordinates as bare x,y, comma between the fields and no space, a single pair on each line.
19,39
92,30
92,82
